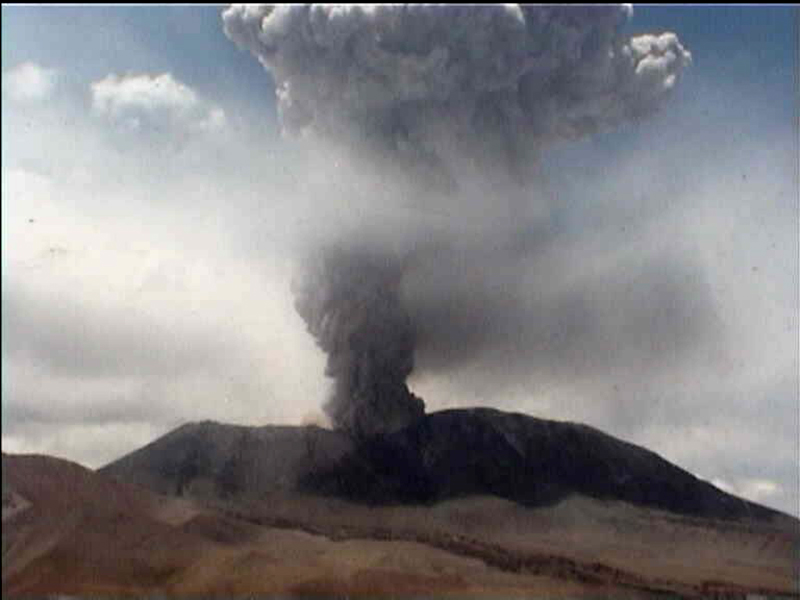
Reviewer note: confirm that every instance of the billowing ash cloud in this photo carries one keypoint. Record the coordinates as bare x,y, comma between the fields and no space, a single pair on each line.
422,81
351,303
451,95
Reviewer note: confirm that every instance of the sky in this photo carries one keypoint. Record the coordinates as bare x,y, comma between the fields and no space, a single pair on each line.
153,218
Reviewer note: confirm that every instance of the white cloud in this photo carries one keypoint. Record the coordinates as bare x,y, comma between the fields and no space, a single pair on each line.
136,100
29,82
164,295
214,121
115,94
725,486
755,489
759,490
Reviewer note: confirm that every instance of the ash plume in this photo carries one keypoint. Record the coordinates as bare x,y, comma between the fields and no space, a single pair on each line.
351,304
459,100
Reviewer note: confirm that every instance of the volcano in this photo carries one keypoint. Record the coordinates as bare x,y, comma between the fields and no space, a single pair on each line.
440,456
472,501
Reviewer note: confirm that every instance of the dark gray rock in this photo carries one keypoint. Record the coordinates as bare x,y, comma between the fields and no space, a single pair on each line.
521,458
442,455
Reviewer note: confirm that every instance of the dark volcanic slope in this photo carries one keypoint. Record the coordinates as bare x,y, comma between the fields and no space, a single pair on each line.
531,461
214,459
442,455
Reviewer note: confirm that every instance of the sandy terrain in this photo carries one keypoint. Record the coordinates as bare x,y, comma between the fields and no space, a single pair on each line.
580,538
79,533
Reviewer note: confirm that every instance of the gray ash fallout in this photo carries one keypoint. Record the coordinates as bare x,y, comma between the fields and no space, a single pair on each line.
455,99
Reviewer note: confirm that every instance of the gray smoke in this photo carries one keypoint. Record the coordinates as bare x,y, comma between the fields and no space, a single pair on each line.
351,303
426,82
454,97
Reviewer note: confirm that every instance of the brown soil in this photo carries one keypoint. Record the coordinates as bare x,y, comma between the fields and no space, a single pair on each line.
79,533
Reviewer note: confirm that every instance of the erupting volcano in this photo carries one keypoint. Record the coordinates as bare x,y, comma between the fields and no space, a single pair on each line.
450,105
427,213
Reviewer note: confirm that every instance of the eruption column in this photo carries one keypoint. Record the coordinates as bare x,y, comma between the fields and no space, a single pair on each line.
351,304
451,94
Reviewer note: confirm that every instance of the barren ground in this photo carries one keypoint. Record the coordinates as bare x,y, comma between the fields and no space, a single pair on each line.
79,533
